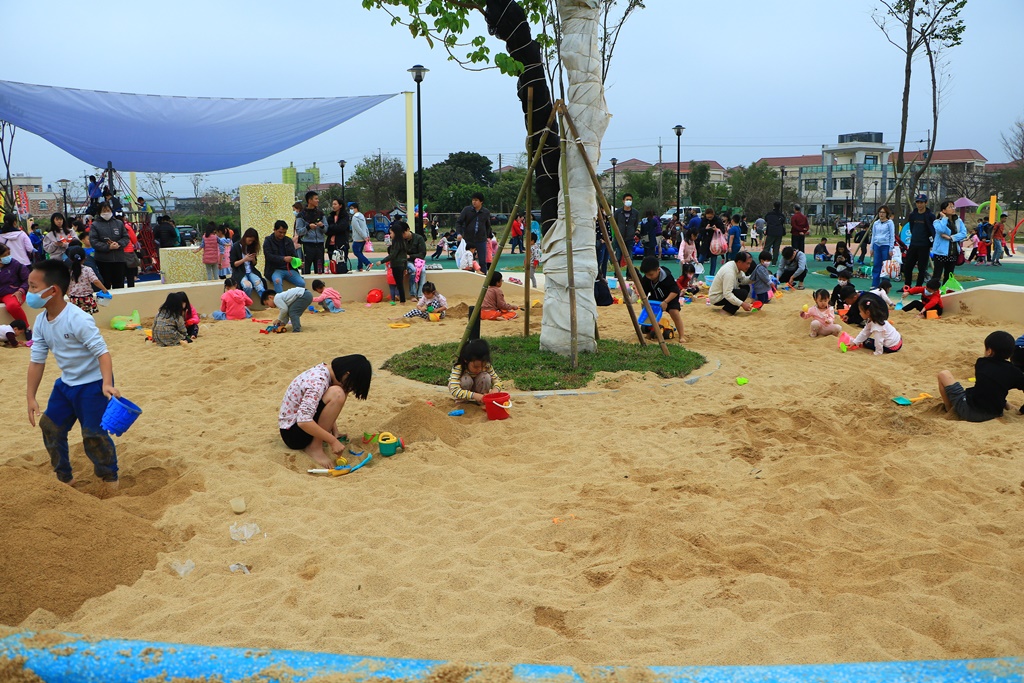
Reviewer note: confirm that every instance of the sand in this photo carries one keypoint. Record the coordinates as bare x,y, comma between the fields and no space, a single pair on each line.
803,517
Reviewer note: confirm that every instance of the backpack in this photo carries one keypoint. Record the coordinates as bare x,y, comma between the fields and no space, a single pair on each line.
602,294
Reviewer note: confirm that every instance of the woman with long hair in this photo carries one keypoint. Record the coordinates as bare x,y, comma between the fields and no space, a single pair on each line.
58,238
244,254
949,232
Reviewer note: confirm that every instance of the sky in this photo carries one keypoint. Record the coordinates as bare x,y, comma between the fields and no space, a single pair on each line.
747,78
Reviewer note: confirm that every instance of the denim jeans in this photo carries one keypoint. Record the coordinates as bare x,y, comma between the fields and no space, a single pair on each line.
278,278
221,315
85,404
361,261
415,286
211,271
251,280
879,255
331,307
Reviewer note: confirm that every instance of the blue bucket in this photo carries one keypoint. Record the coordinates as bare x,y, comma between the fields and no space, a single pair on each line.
656,307
710,279
119,416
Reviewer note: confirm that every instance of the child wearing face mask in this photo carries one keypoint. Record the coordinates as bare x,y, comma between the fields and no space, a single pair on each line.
931,298
87,375
836,300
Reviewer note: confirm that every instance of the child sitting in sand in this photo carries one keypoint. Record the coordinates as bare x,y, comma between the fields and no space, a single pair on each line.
494,306
688,280
822,316
328,297
191,317
466,257
9,334
472,375
311,406
432,301
882,291
292,303
852,299
82,281
994,377
86,382
844,275
234,303
761,279
878,334
931,298
169,324
659,285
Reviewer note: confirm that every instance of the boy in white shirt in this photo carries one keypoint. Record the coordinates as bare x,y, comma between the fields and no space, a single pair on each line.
87,375
292,302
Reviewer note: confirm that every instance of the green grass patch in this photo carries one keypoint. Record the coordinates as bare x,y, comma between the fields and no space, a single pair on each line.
521,360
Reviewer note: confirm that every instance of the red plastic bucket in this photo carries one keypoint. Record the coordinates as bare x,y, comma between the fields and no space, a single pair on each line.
497,406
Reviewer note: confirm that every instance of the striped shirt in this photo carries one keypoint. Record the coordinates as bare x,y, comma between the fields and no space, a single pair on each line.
455,379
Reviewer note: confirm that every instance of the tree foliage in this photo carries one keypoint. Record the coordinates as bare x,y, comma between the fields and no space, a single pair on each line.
755,188
380,181
698,185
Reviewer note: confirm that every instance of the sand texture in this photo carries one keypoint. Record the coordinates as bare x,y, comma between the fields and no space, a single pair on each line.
803,517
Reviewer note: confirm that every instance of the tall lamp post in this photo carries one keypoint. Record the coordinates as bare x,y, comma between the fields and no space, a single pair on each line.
679,175
853,192
63,183
782,187
614,197
418,71
342,164
876,195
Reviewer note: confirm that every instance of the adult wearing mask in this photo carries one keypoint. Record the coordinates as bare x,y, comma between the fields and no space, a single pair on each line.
339,233
311,234
922,233
775,228
16,240
108,238
13,284
360,235
883,239
278,252
704,234
628,221
950,231
799,228
56,241
474,224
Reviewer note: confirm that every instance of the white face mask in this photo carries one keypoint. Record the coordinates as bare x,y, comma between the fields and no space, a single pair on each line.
842,283
106,216
628,203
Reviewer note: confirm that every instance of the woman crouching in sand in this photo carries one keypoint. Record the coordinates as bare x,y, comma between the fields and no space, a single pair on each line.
313,402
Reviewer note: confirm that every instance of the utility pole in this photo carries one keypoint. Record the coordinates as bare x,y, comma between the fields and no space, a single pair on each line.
661,173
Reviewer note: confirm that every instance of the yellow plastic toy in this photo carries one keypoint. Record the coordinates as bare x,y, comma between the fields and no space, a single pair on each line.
806,307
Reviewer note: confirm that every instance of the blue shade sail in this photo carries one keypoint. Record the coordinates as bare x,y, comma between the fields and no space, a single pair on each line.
153,133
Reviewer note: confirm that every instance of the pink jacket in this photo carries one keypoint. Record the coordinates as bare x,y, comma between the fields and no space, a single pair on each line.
233,303
328,293
211,250
826,317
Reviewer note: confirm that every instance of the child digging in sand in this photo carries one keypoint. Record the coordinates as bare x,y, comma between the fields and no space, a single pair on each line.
494,306
878,334
994,376
432,301
86,382
472,375
327,297
311,406
822,316
234,303
659,285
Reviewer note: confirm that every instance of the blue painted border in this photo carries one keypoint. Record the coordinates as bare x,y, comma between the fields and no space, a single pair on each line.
81,660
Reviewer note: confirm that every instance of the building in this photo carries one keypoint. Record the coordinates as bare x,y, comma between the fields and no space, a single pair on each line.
32,199
302,180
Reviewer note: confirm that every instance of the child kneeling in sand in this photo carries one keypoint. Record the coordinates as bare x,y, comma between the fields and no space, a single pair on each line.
659,285
494,306
327,297
234,303
313,402
292,303
994,376
472,375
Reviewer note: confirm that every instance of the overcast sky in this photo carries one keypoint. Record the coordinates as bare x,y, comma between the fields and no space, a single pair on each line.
747,78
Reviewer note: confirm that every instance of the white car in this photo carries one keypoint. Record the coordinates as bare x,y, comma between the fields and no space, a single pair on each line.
684,213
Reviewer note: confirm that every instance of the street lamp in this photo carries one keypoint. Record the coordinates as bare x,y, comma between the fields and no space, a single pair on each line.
418,71
876,195
342,164
63,183
679,138
613,198
853,190
782,186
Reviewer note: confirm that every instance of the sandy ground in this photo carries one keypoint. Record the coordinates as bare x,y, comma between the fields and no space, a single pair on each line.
803,517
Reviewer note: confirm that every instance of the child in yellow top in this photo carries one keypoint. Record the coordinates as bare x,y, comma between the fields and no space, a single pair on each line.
472,375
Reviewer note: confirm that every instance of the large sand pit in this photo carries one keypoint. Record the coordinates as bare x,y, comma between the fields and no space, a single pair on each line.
803,517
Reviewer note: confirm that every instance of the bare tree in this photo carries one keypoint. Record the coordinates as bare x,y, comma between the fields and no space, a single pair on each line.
7,131
196,179
152,184
1013,143
963,183
910,26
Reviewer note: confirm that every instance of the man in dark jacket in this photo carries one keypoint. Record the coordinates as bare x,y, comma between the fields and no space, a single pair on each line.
474,223
416,247
108,238
922,232
278,251
775,228
628,221
166,234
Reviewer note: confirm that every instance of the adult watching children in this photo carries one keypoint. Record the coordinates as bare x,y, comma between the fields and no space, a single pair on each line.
731,286
108,238
278,252
922,232
474,223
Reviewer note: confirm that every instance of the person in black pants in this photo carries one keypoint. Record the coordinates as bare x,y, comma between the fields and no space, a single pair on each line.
474,224
108,238
922,232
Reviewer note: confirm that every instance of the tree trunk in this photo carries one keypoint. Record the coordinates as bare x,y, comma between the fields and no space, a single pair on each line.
581,59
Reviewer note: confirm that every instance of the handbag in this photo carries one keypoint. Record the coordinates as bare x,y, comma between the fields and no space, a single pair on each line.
132,260
718,243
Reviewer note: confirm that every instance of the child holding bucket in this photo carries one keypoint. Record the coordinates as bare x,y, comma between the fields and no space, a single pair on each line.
87,375
313,401
472,375
432,303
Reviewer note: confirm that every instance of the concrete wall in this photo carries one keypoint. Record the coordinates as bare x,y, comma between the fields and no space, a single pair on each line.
205,296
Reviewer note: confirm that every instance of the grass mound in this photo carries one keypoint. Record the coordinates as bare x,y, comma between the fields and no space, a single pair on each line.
520,359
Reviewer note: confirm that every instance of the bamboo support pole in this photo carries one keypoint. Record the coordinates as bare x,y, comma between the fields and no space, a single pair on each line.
528,226
508,230
567,220
618,233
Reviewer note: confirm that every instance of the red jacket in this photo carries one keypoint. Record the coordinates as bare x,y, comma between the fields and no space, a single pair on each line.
799,225
930,301
517,228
